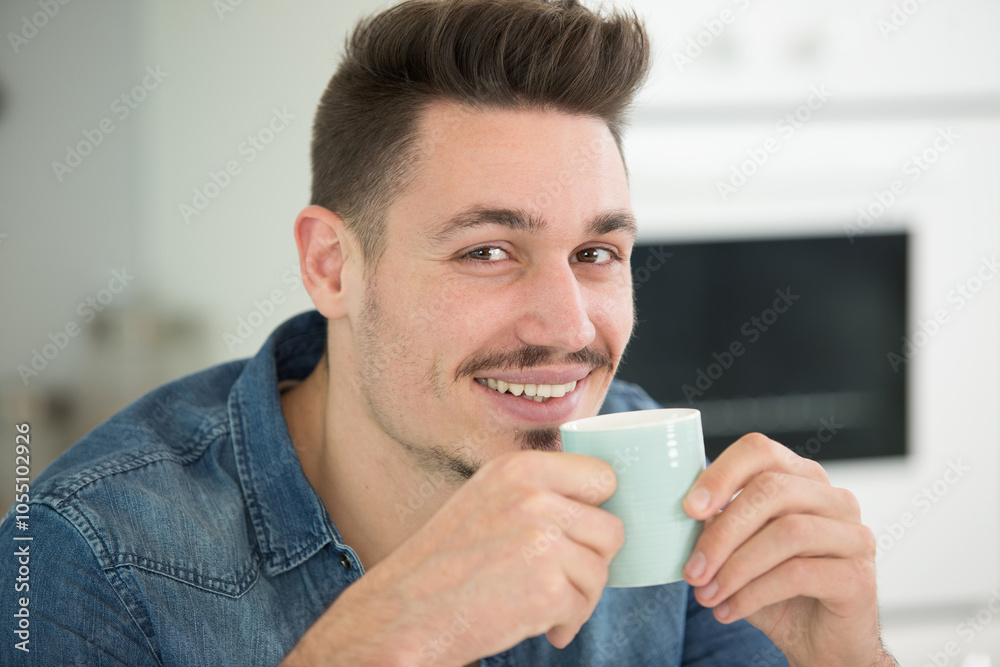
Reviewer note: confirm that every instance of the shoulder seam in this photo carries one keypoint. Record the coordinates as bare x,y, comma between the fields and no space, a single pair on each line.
119,593
62,494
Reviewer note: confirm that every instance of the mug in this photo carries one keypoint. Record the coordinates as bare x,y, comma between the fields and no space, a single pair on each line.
657,455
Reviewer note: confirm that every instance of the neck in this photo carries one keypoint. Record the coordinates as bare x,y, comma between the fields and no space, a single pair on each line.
373,490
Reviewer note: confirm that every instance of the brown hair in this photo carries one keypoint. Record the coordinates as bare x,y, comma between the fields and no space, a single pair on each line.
488,54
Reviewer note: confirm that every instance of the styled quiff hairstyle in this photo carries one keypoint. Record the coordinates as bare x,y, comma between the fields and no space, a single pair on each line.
487,54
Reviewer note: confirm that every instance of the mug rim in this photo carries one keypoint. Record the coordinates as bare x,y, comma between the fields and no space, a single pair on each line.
607,422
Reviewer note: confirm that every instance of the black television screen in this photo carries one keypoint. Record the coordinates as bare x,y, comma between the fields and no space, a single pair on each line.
800,339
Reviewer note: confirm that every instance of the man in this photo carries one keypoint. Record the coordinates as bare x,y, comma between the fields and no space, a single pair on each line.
467,252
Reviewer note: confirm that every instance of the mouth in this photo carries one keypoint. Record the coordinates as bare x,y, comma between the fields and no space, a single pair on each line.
536,397
539,393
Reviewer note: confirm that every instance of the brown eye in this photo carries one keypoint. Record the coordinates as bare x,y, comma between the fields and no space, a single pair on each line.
593,256
486,254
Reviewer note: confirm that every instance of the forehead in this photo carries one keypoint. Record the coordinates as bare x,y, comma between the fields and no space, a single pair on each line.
560,168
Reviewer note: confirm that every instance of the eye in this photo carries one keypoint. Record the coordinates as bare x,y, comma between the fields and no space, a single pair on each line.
594,256
486,254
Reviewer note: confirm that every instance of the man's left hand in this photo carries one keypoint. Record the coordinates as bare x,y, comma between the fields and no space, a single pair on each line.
789,554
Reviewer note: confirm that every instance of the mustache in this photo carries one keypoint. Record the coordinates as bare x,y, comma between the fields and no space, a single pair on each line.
532,356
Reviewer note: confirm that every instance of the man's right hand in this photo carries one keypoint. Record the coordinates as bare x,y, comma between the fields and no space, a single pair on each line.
519,550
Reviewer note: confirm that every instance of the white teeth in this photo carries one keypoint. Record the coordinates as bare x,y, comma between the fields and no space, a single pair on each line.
536,392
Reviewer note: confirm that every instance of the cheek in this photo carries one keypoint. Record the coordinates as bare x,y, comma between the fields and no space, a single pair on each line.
612,313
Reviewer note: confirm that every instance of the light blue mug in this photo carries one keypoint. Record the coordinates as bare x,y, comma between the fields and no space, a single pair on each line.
657,455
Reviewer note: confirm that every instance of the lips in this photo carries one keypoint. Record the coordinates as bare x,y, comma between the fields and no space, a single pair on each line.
553,410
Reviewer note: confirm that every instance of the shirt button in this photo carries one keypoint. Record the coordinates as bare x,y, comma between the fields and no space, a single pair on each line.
345,561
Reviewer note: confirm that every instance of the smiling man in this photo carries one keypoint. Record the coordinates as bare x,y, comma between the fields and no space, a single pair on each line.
371,488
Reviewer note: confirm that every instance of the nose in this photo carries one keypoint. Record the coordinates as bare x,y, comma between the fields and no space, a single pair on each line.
554,312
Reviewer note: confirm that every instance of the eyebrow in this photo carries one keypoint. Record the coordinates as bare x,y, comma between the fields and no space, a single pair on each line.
517,220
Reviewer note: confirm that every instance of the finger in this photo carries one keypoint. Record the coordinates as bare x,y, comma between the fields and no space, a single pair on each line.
586,573
841,585
590,527
786,538
737,465
578,476
768,496
598,530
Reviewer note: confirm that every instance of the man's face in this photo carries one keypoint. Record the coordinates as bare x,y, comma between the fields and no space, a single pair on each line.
506,260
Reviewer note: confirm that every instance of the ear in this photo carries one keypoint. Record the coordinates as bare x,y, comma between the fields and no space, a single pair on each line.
326,254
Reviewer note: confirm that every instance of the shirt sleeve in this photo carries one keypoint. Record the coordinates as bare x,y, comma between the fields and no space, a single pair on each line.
708,643
58,602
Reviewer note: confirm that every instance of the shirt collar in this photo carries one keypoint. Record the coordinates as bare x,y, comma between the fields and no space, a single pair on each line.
289,518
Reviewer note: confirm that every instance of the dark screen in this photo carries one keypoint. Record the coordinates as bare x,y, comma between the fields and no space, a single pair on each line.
791,338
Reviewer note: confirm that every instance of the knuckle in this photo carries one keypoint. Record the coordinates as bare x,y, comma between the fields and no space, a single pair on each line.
602,481
615,531
860,581
869,544
868,584
850,503
536,505
797,529
866,568
816,470
768,483
549,587
515,467
759,443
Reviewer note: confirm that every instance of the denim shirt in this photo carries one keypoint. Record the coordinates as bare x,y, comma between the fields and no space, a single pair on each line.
183,531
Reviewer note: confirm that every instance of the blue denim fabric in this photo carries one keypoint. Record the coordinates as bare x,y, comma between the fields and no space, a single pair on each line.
183,531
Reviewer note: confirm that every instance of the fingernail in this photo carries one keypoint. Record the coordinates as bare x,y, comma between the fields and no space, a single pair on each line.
699,499
722,611
709,590
695,565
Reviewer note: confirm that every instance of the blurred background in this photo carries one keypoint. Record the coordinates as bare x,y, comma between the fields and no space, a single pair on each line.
153,158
